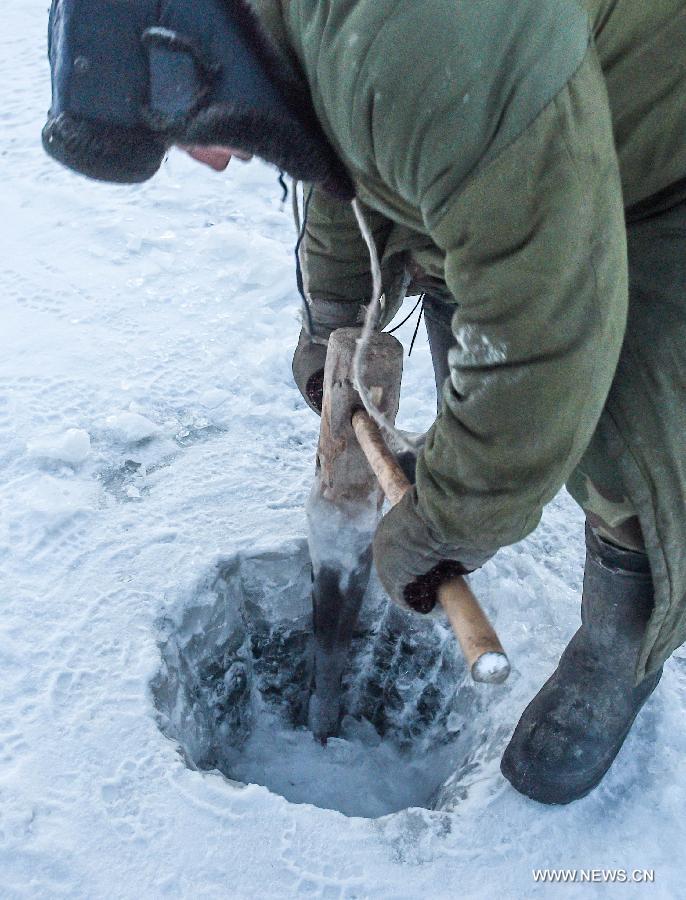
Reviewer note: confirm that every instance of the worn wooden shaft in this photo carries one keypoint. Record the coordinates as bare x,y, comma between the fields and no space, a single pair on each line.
479,642
383,464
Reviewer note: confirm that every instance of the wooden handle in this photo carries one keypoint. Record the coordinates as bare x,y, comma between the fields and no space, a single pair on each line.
482,649
479,642
383,464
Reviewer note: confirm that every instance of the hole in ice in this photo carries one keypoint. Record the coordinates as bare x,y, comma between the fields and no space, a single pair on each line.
233,688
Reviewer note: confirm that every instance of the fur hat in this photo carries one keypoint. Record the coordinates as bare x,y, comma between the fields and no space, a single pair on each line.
132,77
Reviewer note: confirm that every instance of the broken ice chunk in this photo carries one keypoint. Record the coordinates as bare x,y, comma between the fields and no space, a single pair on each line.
71,446
131,427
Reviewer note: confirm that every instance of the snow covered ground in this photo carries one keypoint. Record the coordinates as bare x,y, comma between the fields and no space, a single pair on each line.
154,463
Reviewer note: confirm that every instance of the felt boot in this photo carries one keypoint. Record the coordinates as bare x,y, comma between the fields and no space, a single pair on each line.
569,735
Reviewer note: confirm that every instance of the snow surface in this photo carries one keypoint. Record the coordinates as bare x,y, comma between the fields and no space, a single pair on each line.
157,322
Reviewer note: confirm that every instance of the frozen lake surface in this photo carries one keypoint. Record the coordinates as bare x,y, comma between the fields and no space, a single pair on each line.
155,459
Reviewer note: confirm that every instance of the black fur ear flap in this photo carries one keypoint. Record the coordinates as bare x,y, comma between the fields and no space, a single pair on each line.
279,140
276,61
304,153
111,153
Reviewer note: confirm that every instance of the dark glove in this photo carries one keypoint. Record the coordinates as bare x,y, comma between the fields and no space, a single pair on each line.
412,563
407,460
308,370
310,354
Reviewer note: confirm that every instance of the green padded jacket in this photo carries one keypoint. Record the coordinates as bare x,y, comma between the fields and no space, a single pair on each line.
495,147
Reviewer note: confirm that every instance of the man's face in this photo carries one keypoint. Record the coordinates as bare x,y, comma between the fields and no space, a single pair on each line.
215,157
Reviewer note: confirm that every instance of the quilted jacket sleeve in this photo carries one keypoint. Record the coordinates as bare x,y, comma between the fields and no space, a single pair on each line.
334,256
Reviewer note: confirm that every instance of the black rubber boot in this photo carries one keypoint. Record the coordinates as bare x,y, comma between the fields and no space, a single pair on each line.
570,733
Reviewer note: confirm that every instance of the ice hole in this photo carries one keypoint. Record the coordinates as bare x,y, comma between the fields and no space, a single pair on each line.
234,683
